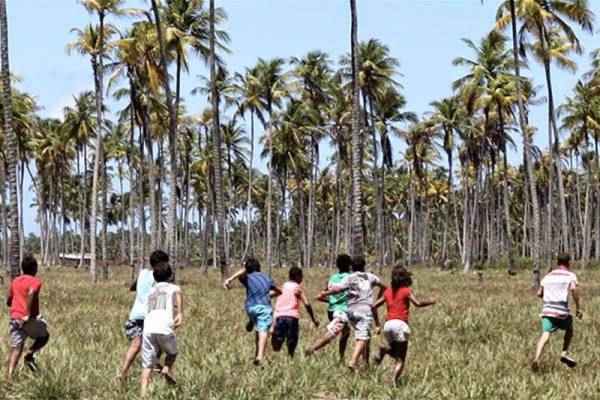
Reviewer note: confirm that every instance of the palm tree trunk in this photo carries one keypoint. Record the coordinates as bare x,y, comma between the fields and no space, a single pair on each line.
218,149
4,215
103,236
527,151
311,203
98,68
11,147
565,244
505,197
249,201
172,138
357,146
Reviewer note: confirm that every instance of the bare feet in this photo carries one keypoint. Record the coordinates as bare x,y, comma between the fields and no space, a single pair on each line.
535,366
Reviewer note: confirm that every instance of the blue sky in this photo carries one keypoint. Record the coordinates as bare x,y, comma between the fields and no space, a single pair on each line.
423,34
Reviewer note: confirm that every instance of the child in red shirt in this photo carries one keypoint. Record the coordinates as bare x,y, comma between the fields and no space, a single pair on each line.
24,303
397,298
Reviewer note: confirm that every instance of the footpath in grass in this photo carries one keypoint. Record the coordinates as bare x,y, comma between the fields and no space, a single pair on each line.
476,343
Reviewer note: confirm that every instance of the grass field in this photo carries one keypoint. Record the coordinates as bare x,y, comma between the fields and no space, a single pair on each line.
475,344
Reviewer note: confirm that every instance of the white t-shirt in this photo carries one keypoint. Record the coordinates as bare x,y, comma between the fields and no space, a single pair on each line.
161,305
557,285
359,286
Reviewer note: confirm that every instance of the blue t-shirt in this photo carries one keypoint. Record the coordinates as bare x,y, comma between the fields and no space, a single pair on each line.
258,285
145,282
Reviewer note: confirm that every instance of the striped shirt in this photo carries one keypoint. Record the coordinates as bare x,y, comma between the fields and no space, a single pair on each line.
258,286
556,286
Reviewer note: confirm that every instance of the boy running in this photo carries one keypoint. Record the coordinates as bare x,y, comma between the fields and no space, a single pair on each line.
337,310
164,316
134,327
359,286
259,290
24,302
287,313
555,289
397,299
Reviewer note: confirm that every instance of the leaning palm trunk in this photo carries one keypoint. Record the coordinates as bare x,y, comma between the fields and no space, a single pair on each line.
172,138
218,150
12,147
527,151
357,148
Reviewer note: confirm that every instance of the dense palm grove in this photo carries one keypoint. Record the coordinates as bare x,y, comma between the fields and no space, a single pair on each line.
348,167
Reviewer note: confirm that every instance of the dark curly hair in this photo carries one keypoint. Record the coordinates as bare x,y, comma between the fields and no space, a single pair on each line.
401,277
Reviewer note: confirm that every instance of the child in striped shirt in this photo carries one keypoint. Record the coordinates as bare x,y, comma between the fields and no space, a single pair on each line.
555,289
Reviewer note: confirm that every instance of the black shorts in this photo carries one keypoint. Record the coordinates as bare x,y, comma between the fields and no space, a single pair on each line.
134,328
330,315
287,329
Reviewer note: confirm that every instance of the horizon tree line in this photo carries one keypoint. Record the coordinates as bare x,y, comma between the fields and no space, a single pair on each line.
156,174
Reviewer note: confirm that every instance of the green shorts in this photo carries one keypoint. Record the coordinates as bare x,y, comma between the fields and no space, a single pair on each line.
551,325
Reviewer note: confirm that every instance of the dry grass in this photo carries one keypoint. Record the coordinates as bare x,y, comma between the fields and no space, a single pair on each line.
475,344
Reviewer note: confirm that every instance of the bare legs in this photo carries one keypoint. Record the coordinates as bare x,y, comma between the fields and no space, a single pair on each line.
398,352
540,348
565,349
359,350
261,344
132,352
166,372
15,354
13,359
330,337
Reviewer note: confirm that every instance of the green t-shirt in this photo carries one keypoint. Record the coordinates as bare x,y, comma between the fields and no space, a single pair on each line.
339,301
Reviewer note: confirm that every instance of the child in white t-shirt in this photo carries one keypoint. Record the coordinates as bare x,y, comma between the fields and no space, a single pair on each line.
164,316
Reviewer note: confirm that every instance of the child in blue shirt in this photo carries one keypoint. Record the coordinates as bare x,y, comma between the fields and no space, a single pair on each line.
259,290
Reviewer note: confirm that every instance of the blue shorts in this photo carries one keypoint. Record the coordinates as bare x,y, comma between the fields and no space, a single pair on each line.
261,316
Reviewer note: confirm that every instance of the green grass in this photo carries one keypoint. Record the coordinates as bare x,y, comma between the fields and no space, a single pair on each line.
475,344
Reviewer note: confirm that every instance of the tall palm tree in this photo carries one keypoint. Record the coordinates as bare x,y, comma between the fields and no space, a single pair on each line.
218,149
102,8
357,145
249,100
172,214
272,91
80,123
12,144
510,11
548,22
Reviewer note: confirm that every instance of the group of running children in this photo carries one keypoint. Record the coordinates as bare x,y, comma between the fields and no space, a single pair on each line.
352,305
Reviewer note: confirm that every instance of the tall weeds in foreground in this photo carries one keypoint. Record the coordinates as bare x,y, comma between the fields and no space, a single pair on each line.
476,344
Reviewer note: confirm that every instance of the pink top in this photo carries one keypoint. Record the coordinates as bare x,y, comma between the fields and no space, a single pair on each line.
288,303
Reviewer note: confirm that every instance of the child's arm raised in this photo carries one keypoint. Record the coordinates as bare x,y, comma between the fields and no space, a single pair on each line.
302,296
417,303
178,320
233,277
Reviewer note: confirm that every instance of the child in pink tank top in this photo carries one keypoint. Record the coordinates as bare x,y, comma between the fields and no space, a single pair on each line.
287,313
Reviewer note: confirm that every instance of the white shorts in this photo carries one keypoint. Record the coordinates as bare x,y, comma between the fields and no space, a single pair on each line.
337,324
396,330
362,323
